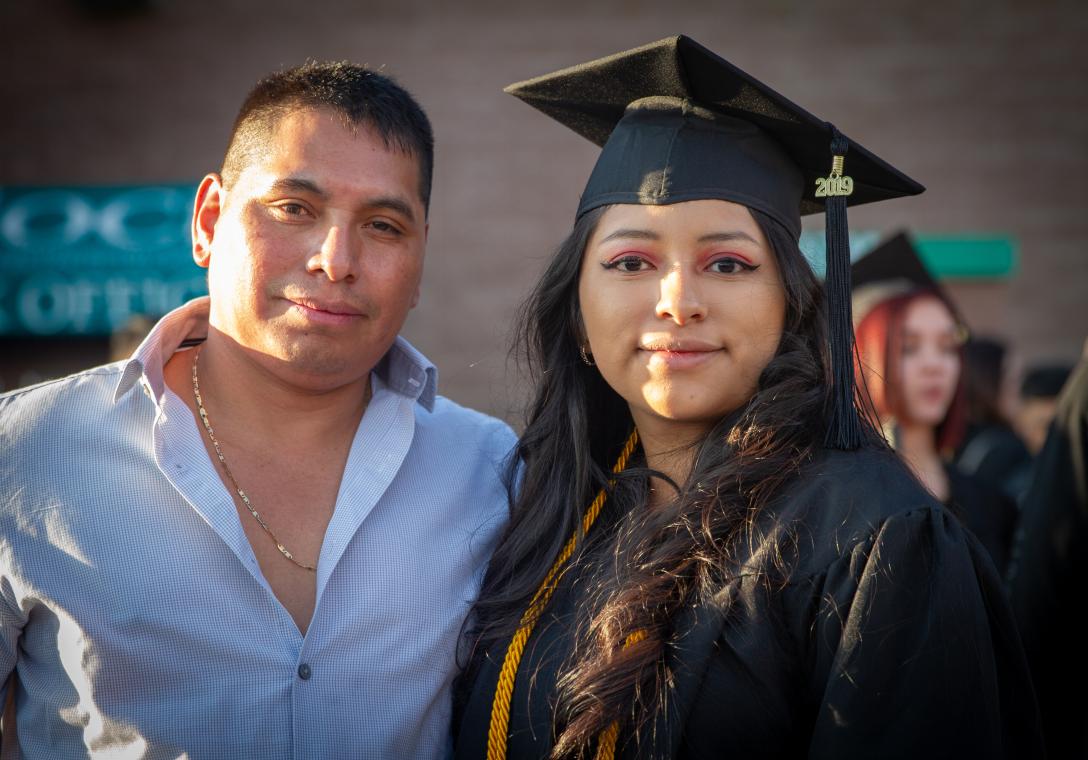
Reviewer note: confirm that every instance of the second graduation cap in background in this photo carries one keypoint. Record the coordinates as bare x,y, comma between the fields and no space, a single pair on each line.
891,269
677,123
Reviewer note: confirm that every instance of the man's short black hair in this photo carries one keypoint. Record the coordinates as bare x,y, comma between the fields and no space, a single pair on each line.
362,97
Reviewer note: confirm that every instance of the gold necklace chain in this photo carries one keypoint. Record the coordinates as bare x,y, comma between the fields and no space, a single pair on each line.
230,475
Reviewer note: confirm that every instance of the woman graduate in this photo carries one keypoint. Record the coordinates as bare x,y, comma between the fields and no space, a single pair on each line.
910,340
711,554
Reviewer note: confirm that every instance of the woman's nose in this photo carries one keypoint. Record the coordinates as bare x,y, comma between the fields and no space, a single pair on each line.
680,299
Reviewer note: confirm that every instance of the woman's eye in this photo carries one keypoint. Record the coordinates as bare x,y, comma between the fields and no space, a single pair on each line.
730,266
627,264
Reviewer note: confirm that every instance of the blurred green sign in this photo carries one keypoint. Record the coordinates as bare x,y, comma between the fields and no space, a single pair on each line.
84,260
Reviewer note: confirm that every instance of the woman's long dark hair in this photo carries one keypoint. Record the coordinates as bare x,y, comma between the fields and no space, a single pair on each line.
663,559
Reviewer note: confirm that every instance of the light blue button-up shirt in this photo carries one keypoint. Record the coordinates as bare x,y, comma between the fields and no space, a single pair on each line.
133,611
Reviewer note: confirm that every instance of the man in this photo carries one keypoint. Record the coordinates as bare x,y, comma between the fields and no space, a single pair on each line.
260,535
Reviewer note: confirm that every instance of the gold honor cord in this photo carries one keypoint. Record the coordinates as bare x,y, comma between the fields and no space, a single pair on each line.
504,690
606,745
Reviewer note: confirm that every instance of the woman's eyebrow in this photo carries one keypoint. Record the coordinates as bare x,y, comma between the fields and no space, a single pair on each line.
711,237
631,234
727,237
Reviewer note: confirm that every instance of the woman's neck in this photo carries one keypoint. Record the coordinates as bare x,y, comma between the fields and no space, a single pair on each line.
670,449
917,445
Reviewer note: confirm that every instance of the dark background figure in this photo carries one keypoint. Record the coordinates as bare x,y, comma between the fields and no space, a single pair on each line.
1039,391
1047,582
991,450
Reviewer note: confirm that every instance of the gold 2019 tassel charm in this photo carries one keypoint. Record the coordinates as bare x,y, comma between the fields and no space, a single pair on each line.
836,184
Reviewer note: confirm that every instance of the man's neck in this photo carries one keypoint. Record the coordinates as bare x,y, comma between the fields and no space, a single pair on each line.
247,401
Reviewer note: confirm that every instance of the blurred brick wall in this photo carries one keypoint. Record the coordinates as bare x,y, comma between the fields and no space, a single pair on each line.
981,101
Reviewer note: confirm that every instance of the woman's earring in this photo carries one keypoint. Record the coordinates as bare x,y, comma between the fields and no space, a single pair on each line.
586,356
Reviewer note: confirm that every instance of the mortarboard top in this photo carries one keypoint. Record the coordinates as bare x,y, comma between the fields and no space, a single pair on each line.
894,259
892,269
677,122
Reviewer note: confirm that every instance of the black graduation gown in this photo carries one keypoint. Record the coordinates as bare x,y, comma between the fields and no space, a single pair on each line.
1049,577
994,454
987,511
891,639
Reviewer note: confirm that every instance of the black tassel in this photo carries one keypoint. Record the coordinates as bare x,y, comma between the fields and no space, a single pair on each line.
843,427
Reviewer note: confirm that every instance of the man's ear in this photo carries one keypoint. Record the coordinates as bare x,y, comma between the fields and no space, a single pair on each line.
206,209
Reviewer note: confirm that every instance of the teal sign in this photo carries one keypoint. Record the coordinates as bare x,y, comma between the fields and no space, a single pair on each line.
84,260
952,257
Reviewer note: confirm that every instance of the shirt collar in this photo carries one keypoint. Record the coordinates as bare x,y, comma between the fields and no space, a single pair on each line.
403,369
185,323
408,372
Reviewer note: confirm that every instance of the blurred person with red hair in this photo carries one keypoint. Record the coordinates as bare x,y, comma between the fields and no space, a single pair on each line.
910,342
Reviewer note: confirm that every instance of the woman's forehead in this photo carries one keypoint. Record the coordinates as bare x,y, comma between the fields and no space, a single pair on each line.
691,218
928,313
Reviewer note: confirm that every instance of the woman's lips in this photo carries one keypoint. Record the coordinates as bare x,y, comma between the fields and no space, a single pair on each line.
679,358
934,395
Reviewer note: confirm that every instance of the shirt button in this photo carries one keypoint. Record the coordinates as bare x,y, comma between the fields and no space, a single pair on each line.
304,672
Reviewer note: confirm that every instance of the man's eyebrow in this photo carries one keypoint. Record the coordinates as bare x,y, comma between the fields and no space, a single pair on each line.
298,184
393,203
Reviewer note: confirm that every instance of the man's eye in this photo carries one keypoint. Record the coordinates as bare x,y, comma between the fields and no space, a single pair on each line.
627,264
383,227
291,209
731,266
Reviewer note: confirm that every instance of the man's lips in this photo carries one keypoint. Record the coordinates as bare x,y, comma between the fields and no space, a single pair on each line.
326,312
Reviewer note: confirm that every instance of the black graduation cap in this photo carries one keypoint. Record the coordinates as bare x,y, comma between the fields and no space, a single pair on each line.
678,123
894,268
896,259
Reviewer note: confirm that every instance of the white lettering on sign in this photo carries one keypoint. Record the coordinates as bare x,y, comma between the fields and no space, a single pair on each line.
146,219
47,305
47,220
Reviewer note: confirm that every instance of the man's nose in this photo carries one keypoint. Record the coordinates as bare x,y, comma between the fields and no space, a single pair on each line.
338,256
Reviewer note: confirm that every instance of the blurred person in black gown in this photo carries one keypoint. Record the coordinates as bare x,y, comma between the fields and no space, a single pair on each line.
711,554
1048,582
910,342
991,451
1039,392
